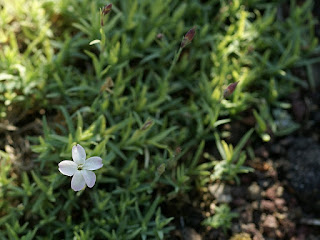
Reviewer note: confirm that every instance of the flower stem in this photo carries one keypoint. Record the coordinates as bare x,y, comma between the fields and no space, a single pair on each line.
176,57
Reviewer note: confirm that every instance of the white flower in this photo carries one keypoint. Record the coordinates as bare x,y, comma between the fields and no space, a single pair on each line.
80,168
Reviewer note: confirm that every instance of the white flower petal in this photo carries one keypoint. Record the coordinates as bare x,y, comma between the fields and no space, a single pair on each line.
93,163
78,154
77,182
89,177
67,167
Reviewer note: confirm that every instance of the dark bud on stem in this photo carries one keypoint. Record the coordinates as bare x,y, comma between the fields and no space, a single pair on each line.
230,89
106,9
188,37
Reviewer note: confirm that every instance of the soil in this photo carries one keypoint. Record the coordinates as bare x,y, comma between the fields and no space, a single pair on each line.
279,200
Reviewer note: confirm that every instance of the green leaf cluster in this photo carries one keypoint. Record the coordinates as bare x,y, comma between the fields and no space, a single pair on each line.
127,93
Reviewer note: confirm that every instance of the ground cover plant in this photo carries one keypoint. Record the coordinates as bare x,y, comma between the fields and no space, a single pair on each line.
154,89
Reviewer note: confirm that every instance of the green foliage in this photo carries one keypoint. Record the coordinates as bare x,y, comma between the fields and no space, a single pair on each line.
280,122
231,165
25,56
222,218
127,93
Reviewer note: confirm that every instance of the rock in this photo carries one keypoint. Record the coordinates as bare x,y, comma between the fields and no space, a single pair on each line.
221,192
304,171
274,191
280,204
241,236
271,192
268,205
279,191
191,234
269,225
265,183
254,191
255,205
269,221
251,228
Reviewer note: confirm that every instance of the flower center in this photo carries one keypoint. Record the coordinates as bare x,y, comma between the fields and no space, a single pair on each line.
80,166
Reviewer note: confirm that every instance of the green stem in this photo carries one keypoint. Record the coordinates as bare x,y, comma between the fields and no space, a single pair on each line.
176,57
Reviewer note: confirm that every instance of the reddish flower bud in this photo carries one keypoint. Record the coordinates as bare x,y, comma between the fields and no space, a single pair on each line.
188,37
230,89
159,35
106,9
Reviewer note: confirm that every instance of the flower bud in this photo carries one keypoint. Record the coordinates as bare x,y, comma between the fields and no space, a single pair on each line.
188,37
106,9
160,35
230,89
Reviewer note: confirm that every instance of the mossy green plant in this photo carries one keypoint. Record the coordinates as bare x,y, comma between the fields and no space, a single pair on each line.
128,93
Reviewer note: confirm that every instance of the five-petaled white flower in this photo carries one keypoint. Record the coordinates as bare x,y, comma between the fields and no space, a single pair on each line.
80,168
